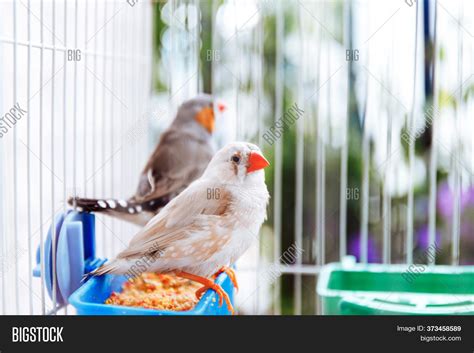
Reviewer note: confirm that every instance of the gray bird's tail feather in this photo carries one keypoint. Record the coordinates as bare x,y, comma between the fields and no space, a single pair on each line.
129,210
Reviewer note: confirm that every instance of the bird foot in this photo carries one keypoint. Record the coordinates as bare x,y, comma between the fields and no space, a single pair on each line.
220,293
208,284
230,272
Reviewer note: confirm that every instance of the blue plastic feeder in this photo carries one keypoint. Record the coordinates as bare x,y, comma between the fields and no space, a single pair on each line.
89,299
75,256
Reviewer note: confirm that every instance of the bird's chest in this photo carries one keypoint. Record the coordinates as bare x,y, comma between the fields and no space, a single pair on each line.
249,208
245,229
237,244
240,227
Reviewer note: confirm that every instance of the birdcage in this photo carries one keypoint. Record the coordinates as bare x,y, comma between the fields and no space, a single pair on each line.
362,107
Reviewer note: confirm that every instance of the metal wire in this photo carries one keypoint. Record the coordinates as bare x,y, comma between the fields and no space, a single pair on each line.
434,145
299,176
130,59
411,153
123,79
64,132
103,137
15,165
85,92
2,231
344,155
319,244
94,125
259,110
278,184
28,164
364,222
457,175
40,131
52,146
113,131
53,140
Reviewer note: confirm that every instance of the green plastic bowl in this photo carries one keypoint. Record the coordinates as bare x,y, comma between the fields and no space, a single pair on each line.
349,288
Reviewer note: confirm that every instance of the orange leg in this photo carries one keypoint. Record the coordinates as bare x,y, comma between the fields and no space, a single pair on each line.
230,272
208,284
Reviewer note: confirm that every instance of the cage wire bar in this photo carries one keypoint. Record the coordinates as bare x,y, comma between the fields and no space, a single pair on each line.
316,109
457,176
387,207
298,286
15,154
109,89
345,146
46,48
433,154
278,154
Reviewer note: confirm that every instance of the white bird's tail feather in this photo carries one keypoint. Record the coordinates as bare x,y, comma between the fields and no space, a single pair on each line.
110,267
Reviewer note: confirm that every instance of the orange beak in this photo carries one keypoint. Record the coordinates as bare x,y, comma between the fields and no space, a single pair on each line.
206,118
221,107
256,162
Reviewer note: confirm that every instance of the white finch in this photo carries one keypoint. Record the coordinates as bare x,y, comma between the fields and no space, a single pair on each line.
208,226
181,156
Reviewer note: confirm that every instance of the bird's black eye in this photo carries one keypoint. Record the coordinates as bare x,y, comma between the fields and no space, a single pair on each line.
235,159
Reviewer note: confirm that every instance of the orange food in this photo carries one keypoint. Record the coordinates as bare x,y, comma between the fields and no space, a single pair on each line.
157,291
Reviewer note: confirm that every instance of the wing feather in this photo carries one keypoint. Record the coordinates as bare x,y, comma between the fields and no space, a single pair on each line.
177,161
191,212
